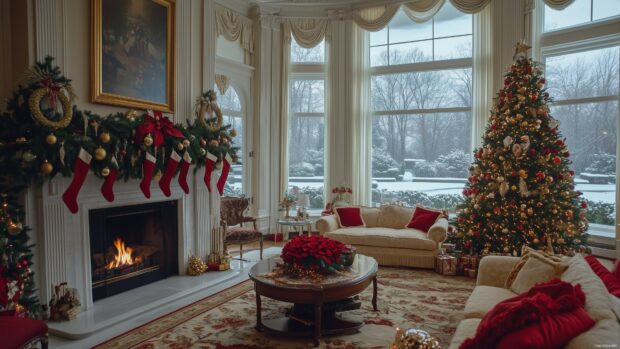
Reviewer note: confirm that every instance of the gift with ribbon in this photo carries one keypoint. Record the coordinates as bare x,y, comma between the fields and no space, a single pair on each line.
446,264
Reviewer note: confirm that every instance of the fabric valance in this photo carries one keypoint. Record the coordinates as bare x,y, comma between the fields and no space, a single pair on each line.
233,26
308,32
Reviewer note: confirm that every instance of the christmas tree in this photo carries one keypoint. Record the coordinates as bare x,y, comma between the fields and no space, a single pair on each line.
521,190
17,290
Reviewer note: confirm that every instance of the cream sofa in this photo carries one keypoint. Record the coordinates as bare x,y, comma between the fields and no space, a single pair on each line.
490,290
385,237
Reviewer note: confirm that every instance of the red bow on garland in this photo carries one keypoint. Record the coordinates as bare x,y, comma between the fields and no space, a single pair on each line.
160,126
53,90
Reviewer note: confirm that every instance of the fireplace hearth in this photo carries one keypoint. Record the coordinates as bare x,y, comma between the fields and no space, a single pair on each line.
132,246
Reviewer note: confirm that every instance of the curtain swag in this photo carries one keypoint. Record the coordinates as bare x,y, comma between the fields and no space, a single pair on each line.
308,32
233,26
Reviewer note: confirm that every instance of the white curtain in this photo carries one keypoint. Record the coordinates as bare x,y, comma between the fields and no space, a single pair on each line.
558,4
233,26
482,72
360,108
284,75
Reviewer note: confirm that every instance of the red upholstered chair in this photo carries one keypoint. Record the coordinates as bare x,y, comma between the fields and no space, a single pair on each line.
232,212
21,333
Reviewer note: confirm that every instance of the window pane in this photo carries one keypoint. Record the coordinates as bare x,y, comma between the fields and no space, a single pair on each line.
422,90
306,157
452,48
234,185
378,56
403,29
228,101
412,52
605,9
590,131
585,74
576,13
307,96
450,22
420,158
379,38
307,55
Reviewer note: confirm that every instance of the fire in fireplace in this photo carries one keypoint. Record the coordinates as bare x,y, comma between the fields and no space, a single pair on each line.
132,246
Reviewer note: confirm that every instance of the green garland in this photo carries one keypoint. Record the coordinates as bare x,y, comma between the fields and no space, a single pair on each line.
28,148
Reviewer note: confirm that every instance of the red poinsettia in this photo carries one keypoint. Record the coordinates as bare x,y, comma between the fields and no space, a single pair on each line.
314,251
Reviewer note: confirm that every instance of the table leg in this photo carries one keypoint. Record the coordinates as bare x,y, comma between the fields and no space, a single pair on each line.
259,322
374,293
317,324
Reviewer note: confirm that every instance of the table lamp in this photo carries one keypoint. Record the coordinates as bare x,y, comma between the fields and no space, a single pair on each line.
303,202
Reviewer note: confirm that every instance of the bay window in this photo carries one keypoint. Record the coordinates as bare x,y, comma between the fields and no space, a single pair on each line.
421,90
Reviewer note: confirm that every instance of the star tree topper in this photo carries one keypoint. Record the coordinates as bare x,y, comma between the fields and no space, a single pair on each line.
521,48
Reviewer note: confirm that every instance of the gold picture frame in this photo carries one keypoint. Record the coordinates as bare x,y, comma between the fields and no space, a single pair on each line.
133,53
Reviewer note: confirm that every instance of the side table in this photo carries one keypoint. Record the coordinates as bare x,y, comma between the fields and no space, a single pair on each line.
298,225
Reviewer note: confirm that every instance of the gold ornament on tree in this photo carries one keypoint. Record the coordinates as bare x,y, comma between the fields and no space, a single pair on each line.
104,137
51,139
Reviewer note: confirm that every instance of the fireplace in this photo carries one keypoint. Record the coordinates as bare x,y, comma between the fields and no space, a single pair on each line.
132,246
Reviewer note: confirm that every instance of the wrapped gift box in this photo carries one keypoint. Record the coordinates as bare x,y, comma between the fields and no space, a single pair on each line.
448,247
469,261
446,264
469,272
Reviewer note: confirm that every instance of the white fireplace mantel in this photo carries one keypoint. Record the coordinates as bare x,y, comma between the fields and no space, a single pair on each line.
62,239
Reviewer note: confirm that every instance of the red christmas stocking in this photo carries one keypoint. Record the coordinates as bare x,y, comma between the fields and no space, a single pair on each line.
224,175
171,168
107,188
187,160
80,170
209,164
148,168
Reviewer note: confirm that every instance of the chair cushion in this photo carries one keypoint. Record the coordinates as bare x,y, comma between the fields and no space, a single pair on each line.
483,299
242,234
16,331
350,217
384,237
423,219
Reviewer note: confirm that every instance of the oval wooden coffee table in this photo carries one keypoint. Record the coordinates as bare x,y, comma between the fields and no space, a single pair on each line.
315,304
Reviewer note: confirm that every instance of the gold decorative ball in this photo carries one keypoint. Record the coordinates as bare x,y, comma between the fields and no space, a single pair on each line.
180,146
100,154
46,167
196,266
536,241
148,140
233,132
414,338
105,172
104,137
214,142
51,139
203,151
186,143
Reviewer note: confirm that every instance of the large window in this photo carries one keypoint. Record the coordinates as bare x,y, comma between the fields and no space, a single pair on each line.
306,145
583,78
421,100
233,112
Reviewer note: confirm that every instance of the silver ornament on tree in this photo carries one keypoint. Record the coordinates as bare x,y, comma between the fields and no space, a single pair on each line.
507,141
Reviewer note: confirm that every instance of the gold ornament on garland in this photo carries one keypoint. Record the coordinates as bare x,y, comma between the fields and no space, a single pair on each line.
233,133
46,168
104,137
105,172
100,154
51,139
148,140
196,266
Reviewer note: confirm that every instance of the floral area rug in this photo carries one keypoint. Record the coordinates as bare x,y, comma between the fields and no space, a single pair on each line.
407,298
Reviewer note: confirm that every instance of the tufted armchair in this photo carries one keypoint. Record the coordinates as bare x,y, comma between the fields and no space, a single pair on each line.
232,212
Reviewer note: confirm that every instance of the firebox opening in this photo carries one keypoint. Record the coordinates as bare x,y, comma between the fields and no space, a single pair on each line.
132,246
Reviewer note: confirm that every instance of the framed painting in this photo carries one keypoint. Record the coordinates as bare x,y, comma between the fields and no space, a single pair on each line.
132,53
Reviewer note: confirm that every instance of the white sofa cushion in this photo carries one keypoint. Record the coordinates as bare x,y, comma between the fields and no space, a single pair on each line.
483,299
384,237
394,216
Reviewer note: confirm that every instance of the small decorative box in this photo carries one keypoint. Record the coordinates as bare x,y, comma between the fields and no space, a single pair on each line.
469,272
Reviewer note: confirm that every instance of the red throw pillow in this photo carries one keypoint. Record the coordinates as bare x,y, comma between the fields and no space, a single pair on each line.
350,217
423,219
610,280
553,308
